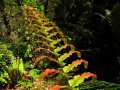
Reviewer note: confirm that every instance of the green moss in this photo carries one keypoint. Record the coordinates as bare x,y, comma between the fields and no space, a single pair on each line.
99,85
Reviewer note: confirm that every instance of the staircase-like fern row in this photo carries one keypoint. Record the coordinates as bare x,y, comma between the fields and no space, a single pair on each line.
48,42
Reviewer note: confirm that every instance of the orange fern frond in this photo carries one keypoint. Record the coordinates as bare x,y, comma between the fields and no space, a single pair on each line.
89,74
46,72
45,49
57,87
47,57
77,62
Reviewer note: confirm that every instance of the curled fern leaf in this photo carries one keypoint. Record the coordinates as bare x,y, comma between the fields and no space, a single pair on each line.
52,44
55,33
55,28
41,57
43,37
66,55
38,49
48,50
78,79
65,46
48,23
42,42
35,25
46,72
70,67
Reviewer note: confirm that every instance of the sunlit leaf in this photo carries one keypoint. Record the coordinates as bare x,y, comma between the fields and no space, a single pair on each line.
78,79
63,47
53,43
3,80
75,64
21,67
66,55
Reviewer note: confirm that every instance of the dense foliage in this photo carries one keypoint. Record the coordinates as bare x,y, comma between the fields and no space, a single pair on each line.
59,44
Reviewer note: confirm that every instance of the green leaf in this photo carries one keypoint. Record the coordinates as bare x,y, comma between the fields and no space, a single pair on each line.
74,64
15,63
66,55
28,51
21,67
5,74
58,49
1,55
34,73
25,83
3,80
62,63
76,81
63,57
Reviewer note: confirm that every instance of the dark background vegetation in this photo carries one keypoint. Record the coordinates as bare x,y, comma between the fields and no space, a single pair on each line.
93,26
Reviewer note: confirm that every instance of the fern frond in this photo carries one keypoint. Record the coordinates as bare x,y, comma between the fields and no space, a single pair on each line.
58,49
37,26
78,79
52,44
41,42
74,64
48,23
55,28
66,55
47,50
38,31
57,87
44,32
48,71
47,57
43,37
55,33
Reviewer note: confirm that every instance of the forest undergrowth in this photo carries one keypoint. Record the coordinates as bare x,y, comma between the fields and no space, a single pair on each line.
37,55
